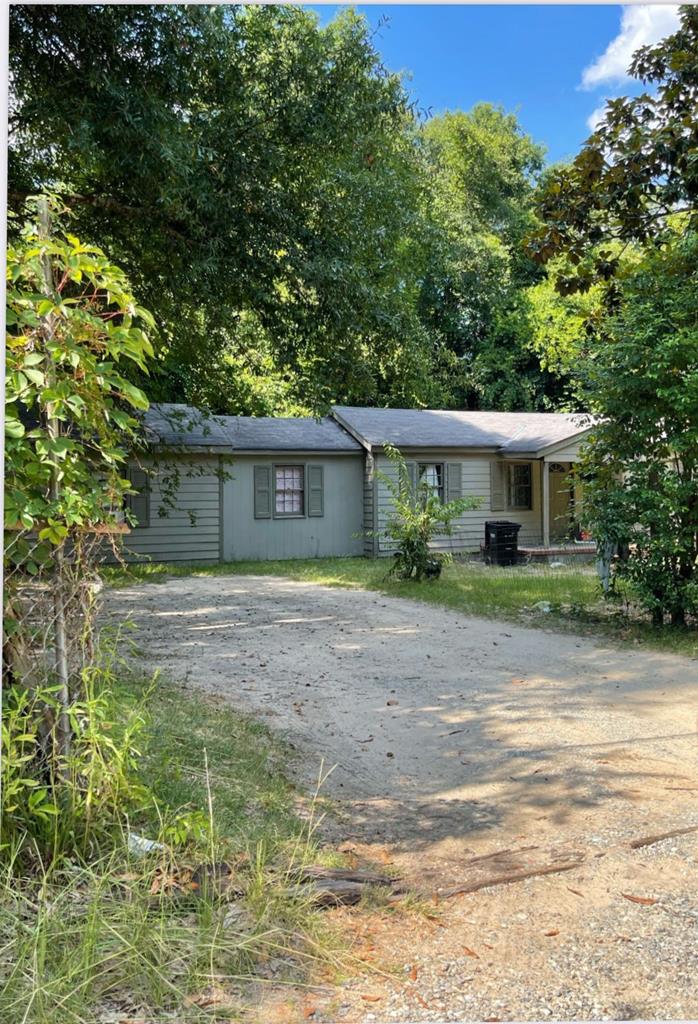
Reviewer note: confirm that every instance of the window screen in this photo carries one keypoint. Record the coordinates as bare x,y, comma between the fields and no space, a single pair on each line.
289,494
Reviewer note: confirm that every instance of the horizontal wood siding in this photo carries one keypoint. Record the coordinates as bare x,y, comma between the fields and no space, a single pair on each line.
174,537
568,454
468,529
338,531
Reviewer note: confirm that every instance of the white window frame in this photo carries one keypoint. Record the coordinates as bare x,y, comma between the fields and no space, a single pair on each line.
440,490
277,466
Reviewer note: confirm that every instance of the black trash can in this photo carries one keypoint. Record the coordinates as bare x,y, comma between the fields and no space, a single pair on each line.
502,541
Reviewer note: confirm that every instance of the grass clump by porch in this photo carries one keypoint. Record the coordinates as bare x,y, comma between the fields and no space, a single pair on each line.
567,598
140,936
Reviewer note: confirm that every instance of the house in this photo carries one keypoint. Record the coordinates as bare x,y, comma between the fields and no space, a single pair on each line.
228,488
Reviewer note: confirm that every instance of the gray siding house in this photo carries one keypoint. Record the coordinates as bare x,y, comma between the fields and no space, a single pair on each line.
229,488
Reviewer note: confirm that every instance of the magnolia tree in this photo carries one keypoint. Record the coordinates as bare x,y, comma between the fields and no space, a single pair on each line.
73,329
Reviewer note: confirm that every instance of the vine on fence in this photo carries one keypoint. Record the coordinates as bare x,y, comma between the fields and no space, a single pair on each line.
71,420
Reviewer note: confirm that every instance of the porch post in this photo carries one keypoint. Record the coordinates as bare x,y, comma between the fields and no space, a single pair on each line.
546,504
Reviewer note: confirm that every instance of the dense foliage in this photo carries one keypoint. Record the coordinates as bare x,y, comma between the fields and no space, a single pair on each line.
619,233
73,328
643,457
483,170
299,236
70,417
636,169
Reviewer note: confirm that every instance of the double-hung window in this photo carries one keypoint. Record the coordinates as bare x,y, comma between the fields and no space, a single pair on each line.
289,490
520,486
431,477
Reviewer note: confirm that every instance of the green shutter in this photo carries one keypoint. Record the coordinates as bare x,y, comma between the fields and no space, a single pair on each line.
497,486
412,475
139,503
316,501
454,481
262,492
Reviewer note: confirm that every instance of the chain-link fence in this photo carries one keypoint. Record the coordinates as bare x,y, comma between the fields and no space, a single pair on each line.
50,607
50,604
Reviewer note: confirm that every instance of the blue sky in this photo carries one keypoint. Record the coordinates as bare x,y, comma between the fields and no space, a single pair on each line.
553,65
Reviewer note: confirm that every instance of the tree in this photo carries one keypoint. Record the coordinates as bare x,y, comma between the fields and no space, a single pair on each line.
243,165
618,228
483,170
635,171
642,459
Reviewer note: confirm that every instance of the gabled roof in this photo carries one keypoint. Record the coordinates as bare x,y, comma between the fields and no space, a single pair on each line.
184,426
505,432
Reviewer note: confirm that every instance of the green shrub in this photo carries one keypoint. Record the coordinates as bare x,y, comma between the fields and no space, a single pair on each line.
417,517
43,823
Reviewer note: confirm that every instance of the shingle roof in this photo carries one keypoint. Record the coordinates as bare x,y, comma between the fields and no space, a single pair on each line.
184,426
289,433
436,428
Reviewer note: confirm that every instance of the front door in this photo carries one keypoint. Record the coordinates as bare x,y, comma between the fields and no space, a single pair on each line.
560,501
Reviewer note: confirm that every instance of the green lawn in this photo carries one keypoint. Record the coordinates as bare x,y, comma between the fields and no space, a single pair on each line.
470,587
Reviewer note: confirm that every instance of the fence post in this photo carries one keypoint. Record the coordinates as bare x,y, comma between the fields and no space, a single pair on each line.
63,730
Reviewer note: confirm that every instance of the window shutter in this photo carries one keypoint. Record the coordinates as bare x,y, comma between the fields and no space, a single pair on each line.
316,500
497,486
454,481
139,503
412,475
262,492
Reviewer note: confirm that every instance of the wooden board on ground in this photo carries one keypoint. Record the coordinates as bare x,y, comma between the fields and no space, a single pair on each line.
506,866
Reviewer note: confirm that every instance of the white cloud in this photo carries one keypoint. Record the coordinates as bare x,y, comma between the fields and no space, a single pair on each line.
641,25
596,115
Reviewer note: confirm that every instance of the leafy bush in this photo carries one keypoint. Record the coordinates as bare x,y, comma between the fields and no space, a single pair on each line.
642,456
42,822
417,517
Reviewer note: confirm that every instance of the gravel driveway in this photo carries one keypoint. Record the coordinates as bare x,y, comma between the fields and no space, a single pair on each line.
453,737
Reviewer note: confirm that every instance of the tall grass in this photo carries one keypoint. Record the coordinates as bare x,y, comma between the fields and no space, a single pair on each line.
153,935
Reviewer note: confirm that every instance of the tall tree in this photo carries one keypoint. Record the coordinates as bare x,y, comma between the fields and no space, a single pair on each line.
483,172
637,169
237,161
619,228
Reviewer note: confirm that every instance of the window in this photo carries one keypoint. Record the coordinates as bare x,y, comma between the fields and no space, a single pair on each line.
289,496
520,486
431,475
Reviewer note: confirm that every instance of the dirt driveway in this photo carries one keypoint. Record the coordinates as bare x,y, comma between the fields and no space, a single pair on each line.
454,737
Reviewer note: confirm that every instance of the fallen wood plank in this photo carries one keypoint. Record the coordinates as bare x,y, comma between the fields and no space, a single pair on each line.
512,876
637,844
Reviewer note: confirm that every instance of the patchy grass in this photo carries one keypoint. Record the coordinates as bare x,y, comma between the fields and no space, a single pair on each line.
572,592
135,937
